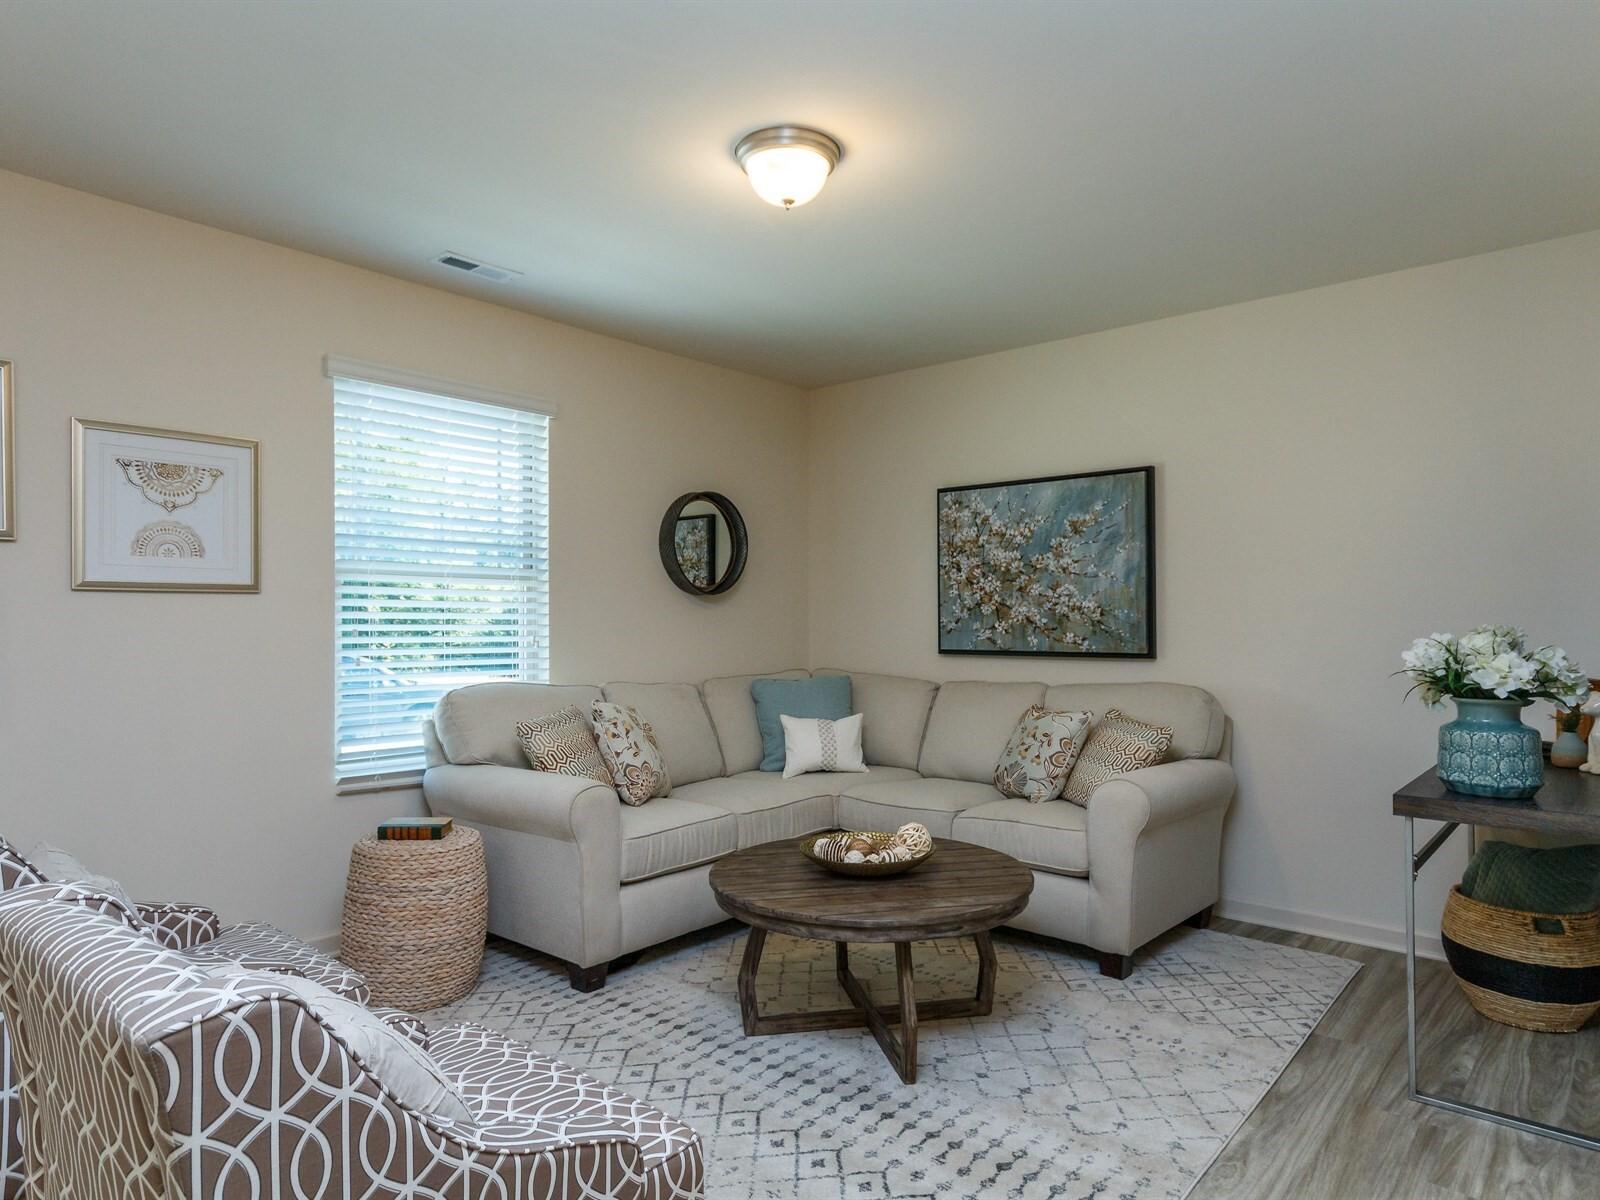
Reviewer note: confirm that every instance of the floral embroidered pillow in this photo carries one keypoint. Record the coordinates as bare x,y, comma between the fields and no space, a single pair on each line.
564,744
1040,754
628,749
1116,745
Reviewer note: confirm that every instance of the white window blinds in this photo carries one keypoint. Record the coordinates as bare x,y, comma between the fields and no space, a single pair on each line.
442,568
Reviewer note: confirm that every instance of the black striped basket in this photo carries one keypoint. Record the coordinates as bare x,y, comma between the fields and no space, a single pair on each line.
1532,970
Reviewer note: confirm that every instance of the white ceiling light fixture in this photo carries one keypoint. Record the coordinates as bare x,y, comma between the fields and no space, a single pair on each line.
787,164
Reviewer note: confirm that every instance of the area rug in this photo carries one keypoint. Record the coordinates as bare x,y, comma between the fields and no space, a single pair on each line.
1075,1086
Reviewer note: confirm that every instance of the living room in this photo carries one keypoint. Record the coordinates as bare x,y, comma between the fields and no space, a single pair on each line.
1303,296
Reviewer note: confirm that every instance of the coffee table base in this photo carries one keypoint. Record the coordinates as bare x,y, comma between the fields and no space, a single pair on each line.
901,1049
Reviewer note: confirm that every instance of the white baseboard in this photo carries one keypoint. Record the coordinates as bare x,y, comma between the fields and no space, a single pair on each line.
329,942
1379,937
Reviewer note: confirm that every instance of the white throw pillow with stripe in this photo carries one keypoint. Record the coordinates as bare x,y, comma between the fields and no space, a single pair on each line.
813,744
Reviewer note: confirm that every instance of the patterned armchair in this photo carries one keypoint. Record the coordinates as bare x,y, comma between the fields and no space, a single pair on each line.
192,931
229,1089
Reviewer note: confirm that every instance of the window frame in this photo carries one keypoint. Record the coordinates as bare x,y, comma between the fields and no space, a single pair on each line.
336,368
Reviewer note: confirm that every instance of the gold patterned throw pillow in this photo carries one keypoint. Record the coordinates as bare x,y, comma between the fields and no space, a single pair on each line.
1040,754
563,743
629,750
1115,745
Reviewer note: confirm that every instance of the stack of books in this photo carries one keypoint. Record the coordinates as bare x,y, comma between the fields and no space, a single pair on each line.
415,829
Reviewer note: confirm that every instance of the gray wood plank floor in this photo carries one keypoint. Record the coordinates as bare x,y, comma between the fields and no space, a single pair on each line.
1337,1124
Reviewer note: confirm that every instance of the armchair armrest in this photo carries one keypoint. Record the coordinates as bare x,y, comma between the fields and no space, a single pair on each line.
178,926
543,803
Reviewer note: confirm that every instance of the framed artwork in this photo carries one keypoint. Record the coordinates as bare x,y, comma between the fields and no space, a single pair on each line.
155,510
8,457
695,539
1060,566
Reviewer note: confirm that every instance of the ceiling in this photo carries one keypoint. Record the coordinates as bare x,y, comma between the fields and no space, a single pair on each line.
1014,172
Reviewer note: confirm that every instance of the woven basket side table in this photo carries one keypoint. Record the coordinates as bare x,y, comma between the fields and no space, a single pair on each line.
415,917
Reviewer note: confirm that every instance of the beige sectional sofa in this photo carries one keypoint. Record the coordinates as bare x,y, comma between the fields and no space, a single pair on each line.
575,873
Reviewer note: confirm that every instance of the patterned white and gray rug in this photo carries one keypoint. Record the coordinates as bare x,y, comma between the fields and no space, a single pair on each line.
1075,1086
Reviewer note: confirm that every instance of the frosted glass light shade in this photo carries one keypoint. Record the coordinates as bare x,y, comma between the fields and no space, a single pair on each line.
787,165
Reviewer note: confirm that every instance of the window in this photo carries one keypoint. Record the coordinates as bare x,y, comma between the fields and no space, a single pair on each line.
441,549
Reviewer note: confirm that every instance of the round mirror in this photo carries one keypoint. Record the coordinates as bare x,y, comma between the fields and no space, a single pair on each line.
703,543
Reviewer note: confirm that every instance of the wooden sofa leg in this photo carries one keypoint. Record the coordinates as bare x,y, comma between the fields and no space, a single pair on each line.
1201,919
1116,966
587,979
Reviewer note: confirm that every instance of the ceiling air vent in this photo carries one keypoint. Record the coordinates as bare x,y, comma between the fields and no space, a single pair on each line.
472,266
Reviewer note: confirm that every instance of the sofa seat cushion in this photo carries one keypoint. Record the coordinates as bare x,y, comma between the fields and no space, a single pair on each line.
770,808
1053,836
478,723
678,717
733,712
969,727
889,805
506,1084
670,834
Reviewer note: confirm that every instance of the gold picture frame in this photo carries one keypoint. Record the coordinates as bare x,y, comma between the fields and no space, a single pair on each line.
8,455
188,518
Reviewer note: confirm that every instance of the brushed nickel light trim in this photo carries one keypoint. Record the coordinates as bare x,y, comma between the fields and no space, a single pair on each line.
773,137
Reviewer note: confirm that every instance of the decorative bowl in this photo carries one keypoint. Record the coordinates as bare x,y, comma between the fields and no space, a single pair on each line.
828,850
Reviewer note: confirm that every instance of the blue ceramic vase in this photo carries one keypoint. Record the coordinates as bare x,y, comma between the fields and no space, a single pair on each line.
1488,751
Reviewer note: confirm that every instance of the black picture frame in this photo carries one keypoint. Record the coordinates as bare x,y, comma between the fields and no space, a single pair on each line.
1144,489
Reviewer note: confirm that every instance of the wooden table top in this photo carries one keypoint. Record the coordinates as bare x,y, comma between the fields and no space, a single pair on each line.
1568,803
962,889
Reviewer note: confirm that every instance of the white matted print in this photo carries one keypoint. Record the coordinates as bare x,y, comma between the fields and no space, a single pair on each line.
156,510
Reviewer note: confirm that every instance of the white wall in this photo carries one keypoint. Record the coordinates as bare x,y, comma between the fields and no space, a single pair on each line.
184,742
1338,471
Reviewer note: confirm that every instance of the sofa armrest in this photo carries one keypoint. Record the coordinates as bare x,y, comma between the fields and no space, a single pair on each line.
543,803
1155,848
1144,800
179,926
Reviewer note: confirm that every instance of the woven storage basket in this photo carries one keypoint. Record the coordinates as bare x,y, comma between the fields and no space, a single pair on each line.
1532,970
415,916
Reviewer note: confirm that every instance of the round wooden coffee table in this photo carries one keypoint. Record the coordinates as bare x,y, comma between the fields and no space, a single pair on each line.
962,891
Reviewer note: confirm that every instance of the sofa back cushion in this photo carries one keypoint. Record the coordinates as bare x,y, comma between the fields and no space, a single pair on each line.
733,713
969,727
895,708
478,723
1193,714
677,716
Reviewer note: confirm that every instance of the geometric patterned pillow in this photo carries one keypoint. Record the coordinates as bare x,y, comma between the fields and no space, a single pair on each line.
1117,744
563,743
1040,754
629,750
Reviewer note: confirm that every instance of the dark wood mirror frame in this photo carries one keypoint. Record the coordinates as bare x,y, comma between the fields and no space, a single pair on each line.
738,540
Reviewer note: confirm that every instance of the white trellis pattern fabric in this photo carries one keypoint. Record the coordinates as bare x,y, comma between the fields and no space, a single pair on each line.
193,930
226,1089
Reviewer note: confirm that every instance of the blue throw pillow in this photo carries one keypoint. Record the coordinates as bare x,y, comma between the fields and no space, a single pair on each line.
826,697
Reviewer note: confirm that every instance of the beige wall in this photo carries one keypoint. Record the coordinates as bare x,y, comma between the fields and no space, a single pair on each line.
183,742
1338,471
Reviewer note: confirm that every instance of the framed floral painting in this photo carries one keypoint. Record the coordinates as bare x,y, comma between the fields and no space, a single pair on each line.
695,539
155,510
1059,566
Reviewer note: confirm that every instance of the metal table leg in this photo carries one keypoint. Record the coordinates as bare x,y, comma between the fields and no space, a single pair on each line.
1415,861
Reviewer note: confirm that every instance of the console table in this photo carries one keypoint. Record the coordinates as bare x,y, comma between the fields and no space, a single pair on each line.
1569,804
